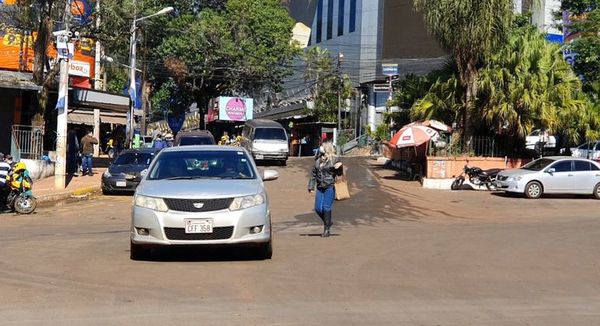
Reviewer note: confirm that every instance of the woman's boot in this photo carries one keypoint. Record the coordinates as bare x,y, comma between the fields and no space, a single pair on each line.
328,223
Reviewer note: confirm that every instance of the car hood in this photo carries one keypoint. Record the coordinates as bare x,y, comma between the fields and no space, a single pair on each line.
517,172
199,188
129,168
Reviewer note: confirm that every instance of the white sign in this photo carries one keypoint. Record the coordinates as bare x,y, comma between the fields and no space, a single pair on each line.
79,68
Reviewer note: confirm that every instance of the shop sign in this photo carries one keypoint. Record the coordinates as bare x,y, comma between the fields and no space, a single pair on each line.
79,68
235,108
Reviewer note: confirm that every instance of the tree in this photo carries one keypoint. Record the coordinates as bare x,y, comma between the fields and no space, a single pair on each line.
323,75
470,30
585,29
527,85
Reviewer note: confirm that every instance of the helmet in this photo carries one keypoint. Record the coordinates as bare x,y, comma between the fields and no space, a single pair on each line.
19,167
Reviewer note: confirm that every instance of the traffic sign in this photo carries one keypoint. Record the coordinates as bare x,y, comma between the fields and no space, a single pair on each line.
390,69
381,88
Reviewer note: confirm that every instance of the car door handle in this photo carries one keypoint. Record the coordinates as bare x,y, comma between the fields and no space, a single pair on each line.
570,175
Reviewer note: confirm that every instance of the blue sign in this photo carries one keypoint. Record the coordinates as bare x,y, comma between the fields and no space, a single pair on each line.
176,122
390,69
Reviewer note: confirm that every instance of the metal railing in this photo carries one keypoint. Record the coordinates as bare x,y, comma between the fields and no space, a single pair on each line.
475,146
28,141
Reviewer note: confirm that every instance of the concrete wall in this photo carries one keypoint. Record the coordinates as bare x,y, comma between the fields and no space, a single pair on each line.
39,169
450,167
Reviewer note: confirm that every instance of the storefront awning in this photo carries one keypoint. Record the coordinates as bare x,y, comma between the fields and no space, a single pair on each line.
297,111
93,99
87,118
18,80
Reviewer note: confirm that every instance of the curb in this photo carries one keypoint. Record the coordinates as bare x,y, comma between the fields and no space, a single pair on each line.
84,191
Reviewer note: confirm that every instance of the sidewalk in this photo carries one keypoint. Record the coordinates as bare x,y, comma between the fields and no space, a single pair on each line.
44,190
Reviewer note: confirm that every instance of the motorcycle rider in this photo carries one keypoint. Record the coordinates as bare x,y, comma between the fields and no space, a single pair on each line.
4,188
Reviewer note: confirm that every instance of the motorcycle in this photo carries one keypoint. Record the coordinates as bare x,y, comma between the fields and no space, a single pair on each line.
477,177
20,198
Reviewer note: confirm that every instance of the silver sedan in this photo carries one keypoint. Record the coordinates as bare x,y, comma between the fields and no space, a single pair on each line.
553,175
202,195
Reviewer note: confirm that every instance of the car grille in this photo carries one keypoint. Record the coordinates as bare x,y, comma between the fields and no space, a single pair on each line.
219,233
208,205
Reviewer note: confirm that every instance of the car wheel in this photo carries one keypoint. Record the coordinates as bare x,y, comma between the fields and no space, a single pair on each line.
105,192
139,252
283,163
597,191
533,190
265,250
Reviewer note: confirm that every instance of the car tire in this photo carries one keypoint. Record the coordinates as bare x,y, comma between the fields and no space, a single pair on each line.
283,163
265,250
106,192
597,191
139,252
534,190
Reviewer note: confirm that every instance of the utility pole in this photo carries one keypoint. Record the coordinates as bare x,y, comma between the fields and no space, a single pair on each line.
132,88
97,82
63,39
340,56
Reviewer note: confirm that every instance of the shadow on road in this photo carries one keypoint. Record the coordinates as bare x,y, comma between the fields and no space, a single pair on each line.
203,254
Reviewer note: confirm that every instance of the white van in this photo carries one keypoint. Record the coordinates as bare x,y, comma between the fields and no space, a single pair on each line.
266,140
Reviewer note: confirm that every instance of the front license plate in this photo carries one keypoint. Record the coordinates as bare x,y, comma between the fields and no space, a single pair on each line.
259,157
198,225
121,183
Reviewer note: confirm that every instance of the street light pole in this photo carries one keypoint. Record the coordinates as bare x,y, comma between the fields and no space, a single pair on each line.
133,52
60,172
340,56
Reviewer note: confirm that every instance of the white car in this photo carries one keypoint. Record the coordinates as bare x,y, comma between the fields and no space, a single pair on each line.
202,195
537,136
552,175
588,150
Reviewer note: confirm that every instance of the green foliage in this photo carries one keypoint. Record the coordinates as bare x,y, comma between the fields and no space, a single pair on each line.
322,72
382,132
470,30
578,7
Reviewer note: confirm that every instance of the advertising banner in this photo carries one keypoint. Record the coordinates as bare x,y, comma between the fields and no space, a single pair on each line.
235,108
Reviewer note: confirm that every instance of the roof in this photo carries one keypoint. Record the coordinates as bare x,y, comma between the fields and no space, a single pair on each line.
194,133
263,123
18,80
93,99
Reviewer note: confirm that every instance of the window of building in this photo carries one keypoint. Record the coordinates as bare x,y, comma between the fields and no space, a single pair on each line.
319,21
341,6
329,19
352,16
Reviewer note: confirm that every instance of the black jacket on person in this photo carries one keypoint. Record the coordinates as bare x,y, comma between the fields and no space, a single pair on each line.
323,175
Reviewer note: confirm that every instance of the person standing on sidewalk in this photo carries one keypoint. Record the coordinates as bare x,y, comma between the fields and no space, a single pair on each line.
87,151
4,189
325,168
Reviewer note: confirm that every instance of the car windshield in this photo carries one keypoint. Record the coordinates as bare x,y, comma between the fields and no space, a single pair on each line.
134,158
270,134
538,164
201,164
195,141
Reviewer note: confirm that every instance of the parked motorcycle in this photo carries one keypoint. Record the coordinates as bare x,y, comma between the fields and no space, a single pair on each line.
477,177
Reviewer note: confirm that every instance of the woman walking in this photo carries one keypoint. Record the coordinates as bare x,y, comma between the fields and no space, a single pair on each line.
326,167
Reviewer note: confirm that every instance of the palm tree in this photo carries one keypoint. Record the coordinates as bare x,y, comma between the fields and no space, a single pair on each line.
527,85
469,30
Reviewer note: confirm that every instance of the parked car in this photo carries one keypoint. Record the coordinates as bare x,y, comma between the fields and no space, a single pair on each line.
125,172
553,175
266,140
194,137
589,150
202,195
536,136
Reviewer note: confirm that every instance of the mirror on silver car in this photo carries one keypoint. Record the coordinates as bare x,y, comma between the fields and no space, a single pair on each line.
551,170
270,175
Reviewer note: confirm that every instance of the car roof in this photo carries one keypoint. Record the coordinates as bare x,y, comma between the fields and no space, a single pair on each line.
264,123
194,133
192,148
557,158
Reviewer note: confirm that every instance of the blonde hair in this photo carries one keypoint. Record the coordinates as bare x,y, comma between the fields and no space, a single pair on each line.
329,154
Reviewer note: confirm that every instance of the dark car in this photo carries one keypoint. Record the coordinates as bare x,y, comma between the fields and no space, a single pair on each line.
195,137
124,174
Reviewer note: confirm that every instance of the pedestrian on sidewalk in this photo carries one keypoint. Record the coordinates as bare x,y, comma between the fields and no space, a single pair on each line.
87,151
325,168
4,188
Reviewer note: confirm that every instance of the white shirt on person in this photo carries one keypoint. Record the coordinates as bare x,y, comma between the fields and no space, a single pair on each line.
4,168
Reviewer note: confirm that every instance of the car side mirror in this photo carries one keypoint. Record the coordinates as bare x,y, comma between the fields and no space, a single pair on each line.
269,175
143,172
551,170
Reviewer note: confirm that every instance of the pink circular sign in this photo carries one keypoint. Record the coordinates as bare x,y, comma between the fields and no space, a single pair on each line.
236,109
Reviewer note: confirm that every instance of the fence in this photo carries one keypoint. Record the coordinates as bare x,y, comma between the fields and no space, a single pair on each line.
28,142
475,146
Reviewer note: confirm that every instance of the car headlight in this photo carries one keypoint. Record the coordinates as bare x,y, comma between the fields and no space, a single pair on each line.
156,204
107,174
247,202
514,179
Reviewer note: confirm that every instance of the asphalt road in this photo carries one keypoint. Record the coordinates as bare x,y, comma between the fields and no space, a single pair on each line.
400,255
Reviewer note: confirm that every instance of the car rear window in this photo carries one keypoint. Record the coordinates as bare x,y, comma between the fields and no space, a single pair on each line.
185,141
582,166
134,158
